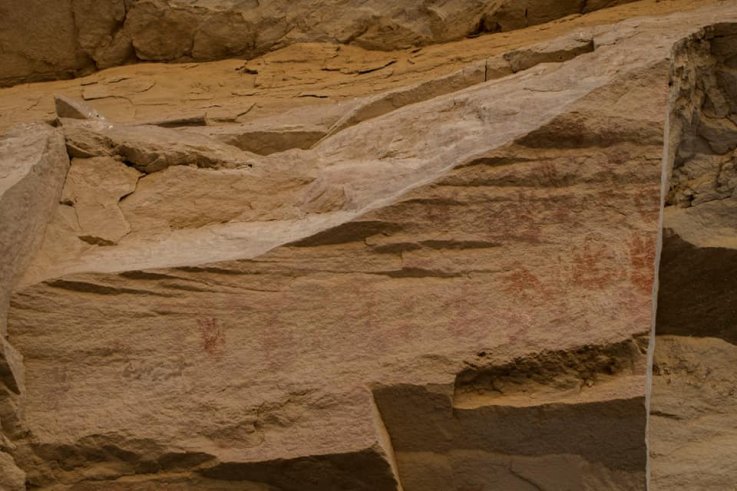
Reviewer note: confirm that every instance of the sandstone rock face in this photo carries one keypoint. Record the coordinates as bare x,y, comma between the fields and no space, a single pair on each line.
33,164
692,410
692,416
328,268
77,36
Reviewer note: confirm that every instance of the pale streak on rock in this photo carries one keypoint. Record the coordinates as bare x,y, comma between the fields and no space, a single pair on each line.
70,108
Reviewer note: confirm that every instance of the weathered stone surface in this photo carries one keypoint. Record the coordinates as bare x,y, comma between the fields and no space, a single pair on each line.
33,165
80,35
149,148
11,477
69,108
692,437
695,292
386,255
11,366
301,75
38,41
507,15
480,434
332,268
94,187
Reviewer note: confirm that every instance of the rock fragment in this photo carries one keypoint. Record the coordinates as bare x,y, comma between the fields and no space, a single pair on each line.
70,108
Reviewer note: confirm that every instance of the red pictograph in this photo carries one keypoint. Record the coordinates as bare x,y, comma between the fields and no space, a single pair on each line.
212,335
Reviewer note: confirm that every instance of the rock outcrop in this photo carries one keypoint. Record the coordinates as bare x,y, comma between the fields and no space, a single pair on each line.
33,165
331,268
692,435
692,414
78,36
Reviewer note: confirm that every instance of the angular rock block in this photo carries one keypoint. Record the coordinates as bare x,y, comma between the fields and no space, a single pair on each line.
691,412
33,165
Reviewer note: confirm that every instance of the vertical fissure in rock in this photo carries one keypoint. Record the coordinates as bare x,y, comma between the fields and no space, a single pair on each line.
693,337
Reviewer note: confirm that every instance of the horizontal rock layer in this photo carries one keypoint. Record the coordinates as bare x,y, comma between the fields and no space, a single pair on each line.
77,36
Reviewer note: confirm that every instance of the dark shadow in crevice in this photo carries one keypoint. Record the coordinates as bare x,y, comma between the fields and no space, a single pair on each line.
697,290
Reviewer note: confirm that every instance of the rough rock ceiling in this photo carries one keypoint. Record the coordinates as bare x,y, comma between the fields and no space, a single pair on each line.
430,266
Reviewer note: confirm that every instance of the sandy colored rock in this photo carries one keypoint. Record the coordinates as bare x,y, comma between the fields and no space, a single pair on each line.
700,239
335,268
390,265
33,165
143,93
80,35
38,42
691,415
11,477
69,108
94,188
692,435
149,148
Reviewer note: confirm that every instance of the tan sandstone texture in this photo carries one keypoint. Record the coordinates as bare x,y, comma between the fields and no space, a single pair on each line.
33,164
78,36
387,248
693,438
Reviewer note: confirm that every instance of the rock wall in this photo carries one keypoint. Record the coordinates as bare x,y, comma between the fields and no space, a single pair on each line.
33,165
78,36
694,378
334,268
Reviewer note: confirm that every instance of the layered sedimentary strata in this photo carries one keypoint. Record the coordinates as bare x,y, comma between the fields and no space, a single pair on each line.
77,36
694,383
692,435
33,165
334,268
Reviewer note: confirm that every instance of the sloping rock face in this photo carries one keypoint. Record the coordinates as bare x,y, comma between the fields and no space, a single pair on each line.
692,423
33,165
340,269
